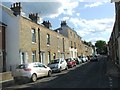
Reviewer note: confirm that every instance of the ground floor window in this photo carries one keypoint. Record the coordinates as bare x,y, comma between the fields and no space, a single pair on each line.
33,56
49,58
54,56
23,57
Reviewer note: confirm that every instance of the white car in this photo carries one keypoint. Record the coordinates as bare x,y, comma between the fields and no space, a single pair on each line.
58,65
31,71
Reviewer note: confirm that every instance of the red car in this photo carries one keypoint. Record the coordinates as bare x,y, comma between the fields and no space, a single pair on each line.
70,62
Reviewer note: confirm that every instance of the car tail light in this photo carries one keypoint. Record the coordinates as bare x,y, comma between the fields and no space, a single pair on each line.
27,69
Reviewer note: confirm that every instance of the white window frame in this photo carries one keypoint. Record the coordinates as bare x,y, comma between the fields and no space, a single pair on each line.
33,35
34,56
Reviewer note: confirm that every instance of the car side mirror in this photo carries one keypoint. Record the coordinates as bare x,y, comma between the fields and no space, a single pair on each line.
45,66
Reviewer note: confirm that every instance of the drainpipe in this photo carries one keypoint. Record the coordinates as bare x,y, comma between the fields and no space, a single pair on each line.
39,48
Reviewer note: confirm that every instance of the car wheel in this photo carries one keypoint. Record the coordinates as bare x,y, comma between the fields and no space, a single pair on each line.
72,65
75,64
60,69
34,78
15,80
66,68
49,73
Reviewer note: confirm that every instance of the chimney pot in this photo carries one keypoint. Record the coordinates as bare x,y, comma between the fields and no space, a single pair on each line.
16,8
17,4
47,24
14,5
33,17
63,23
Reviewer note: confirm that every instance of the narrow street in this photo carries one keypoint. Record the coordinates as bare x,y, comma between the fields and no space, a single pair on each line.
88,75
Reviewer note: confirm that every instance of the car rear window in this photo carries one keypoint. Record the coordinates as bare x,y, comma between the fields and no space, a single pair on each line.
22,66
55,61
68,60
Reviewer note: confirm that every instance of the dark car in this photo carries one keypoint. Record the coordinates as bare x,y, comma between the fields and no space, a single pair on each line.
94,58
70,62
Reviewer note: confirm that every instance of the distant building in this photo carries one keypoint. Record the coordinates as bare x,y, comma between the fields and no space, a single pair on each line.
76,45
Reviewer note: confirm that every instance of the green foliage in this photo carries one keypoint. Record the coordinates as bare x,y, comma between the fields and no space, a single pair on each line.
101,47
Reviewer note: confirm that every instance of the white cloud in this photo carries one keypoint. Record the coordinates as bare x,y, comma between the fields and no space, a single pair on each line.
93,29
78,14
69,6
48,8
64,18
95,4
95,0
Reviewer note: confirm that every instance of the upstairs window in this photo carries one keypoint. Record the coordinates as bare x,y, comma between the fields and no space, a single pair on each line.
71,33
74,35
74,45
33,36
48,39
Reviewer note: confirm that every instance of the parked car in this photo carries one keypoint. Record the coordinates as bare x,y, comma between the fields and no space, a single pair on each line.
31,71
58,65
70,62
84,59
94,58
78,60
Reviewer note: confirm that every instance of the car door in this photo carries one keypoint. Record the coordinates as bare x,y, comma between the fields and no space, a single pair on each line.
43,69
61,64
64,63
37,69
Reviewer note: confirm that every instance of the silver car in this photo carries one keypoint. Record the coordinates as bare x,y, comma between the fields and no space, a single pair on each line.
58,65
31,71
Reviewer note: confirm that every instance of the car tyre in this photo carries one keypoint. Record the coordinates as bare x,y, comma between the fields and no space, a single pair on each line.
49,73
34,77
60,69
15,80
66,68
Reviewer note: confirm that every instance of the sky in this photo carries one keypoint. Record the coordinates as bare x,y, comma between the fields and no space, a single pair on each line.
92,19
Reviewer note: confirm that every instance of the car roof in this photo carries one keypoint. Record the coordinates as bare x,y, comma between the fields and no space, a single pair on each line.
32,63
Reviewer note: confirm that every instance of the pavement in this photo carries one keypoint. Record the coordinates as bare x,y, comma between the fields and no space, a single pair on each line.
112,69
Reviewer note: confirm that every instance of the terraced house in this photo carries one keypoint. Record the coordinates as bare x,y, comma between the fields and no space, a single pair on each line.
114,41
29,41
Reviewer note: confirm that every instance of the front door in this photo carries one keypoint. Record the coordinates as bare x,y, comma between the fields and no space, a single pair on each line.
42,57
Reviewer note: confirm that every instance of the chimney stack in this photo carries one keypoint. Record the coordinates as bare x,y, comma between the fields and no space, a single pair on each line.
34,17
63,23
47,24
16,8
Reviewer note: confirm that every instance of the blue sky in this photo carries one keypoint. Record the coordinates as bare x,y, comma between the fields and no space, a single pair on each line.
91,19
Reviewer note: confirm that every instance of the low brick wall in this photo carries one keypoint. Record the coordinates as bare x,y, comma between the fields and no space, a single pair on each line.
6,76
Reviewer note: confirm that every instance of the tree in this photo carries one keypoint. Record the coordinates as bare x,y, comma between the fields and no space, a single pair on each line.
101,47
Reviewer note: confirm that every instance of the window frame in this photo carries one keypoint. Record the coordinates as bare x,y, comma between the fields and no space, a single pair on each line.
48,39
33,35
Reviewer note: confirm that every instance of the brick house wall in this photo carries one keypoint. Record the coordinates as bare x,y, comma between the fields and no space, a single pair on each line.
58,43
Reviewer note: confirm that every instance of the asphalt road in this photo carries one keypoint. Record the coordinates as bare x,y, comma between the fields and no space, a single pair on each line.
88,75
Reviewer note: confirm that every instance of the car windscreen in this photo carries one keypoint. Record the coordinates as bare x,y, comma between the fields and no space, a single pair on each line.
54,61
